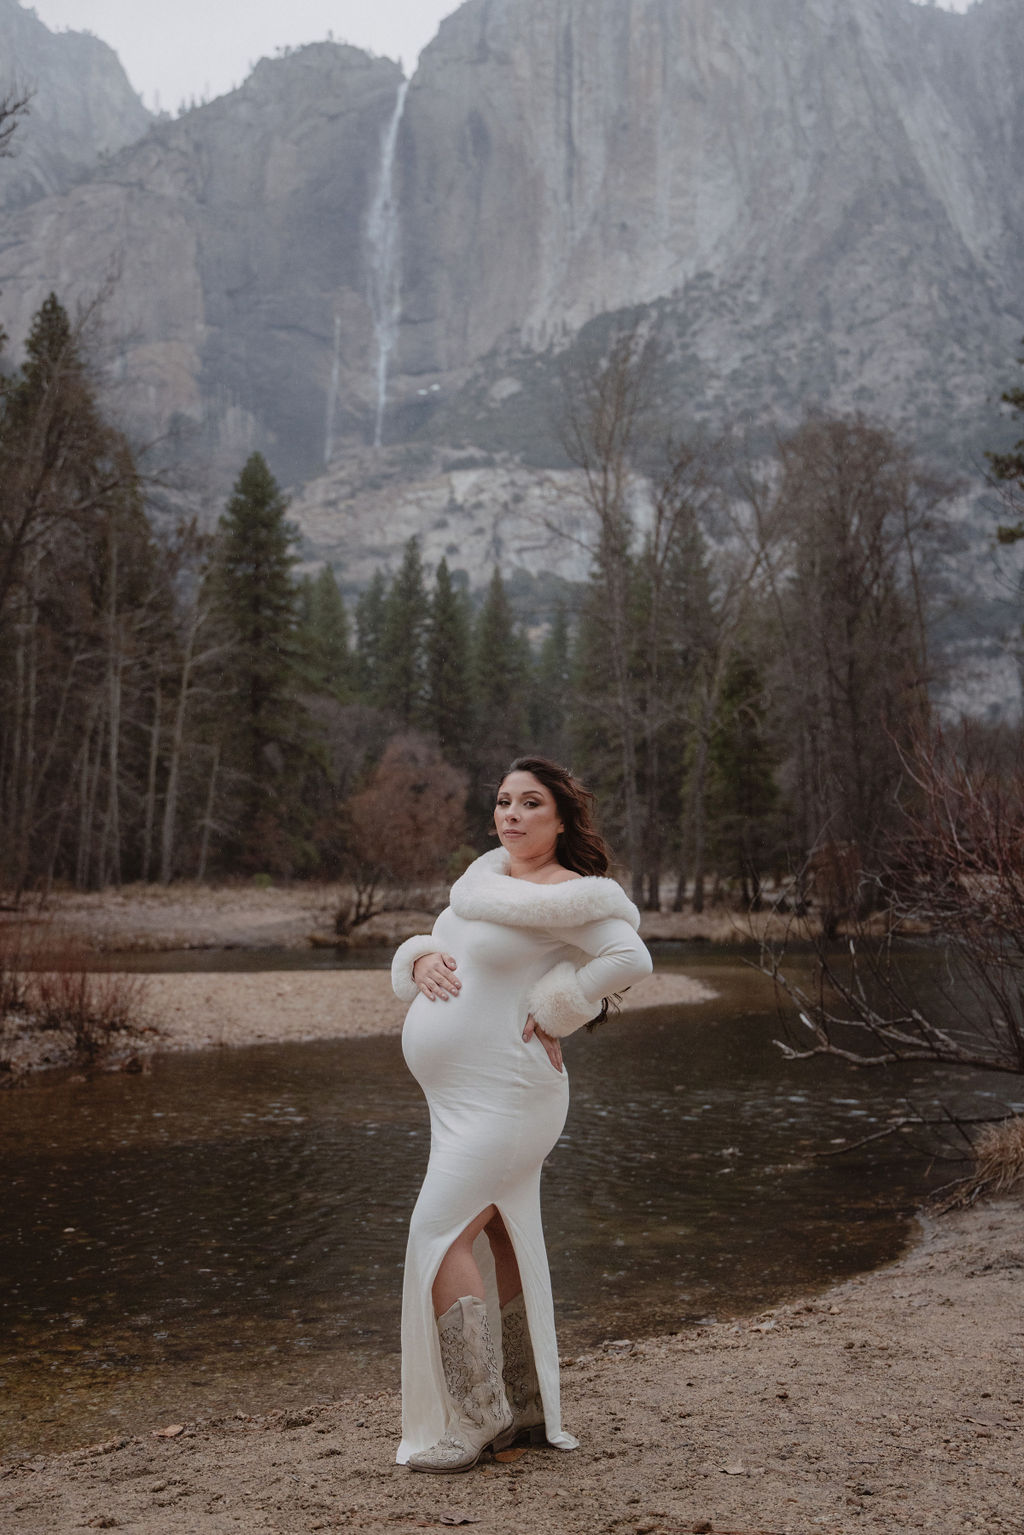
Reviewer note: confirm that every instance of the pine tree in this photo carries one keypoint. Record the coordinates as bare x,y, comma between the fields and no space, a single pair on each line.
742,797
370,613
593,738
75,581
449,701
550,701
502,685
324,634
55,452
403,638
257,602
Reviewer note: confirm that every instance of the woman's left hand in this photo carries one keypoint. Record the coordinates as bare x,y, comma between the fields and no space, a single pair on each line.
552,1045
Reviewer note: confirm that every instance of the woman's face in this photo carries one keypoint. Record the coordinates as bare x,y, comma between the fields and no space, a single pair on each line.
526,818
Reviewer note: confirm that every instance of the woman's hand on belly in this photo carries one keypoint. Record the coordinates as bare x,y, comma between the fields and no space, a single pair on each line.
433,974
552,1045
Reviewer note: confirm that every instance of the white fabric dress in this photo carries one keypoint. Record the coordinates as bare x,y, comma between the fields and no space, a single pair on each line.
497,1105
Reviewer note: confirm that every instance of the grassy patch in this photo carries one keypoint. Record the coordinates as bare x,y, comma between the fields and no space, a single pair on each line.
998,1160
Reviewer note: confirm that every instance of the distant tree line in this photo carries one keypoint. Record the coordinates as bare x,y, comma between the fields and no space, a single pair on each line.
752,647
740,677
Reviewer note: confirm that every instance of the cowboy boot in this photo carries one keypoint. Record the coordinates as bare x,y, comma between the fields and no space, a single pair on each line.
520,1372
479,1416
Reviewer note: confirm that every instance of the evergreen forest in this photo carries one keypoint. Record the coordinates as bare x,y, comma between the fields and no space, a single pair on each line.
745,678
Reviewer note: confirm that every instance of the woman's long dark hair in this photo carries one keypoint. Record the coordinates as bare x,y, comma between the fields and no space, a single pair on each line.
580,846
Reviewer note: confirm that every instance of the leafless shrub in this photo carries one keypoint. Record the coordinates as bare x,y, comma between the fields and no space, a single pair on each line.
14,955
95,1008
401,828
46,986
957,872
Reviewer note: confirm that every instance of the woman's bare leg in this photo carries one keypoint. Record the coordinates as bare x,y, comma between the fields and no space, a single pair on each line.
506,1268
459,1273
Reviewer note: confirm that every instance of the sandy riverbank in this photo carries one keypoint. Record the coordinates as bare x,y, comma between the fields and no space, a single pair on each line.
197,1011
185,1011
183,916
892,1403
208,1011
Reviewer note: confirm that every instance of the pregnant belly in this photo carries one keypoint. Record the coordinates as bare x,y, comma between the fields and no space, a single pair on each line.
435,1039
448,1045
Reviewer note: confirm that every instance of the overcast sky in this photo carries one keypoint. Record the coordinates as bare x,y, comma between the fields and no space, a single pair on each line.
176,49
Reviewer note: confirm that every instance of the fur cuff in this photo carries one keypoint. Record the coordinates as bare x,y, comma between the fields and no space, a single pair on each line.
557,1001
406,955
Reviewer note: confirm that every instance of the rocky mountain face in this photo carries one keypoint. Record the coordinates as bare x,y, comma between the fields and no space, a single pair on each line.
232,243
83,106
819,195
815,202
474,511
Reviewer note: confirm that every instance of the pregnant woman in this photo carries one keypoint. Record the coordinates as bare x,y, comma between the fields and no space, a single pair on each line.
533,943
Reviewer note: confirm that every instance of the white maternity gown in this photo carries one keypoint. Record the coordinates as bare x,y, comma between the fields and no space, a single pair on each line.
497,1105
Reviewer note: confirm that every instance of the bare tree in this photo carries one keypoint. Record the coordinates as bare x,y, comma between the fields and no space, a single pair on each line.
957,872
14,105
606,420
843,525
195,685
675,623
402,828
736,591
661,623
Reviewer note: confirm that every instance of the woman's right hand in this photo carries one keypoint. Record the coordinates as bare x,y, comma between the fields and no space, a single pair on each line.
552,1045
433,975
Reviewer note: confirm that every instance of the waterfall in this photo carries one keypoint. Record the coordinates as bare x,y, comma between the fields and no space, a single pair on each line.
385,263
332,393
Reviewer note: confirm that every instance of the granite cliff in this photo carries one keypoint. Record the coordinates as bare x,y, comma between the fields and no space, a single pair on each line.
83,106
231,241
815,200
820,195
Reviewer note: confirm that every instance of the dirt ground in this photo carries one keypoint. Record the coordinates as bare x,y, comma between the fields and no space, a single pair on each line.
184,916
188,916
892,1403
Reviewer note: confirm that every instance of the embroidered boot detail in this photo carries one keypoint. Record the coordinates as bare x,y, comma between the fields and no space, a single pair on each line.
520,1371
479,1415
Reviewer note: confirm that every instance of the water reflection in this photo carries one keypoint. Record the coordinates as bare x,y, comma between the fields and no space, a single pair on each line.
227,1233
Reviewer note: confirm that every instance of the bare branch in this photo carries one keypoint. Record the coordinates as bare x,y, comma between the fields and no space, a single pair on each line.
957,872
14,105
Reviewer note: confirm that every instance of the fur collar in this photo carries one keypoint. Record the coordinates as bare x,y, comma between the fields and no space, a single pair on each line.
485,893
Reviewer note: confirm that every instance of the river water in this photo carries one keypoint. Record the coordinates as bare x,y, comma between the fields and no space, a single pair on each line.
225,1233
